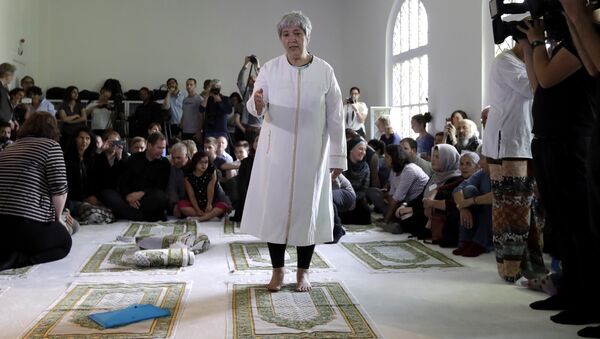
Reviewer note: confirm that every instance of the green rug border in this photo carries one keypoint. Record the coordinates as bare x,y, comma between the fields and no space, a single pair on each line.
361,326
135,226
163,327
354,248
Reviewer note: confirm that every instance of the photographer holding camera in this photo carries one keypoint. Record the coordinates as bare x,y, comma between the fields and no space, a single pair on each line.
215,107
250,124
355,112
560,150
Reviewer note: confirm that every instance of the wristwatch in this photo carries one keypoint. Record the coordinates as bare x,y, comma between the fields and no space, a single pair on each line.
536,43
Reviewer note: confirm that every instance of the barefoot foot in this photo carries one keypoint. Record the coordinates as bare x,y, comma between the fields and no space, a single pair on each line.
303,284
276,280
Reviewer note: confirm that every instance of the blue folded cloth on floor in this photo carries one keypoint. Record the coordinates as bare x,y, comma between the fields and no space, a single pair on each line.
129,315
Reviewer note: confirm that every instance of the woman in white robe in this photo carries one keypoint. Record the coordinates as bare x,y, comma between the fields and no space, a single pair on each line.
301,142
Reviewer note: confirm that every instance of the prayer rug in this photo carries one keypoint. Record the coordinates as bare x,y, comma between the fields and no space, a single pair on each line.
68,317
138,229
232,228
20,272
252,257
113,259
360,228
398,256
327,311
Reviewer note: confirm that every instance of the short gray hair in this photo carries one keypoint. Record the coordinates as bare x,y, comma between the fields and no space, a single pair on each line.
179,147
295,19
6,68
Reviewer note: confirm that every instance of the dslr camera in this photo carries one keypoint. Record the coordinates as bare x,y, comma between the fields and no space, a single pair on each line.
253,59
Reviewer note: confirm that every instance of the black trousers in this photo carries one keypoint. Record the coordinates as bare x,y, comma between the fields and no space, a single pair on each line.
560,167
360,215
27,242
152,206
277,253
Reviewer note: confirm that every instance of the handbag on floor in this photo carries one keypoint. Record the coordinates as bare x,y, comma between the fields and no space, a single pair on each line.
95,215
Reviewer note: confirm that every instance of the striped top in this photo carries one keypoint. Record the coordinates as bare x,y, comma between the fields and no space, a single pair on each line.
32,170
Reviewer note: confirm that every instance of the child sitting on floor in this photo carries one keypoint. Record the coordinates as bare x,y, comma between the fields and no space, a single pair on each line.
200,186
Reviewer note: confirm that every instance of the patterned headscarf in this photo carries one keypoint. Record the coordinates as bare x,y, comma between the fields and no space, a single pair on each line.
449,160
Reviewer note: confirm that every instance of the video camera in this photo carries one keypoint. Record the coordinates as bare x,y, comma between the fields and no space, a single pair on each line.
550,10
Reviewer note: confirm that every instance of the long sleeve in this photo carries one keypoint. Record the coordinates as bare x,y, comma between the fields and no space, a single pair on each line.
240,80
335,124
261,83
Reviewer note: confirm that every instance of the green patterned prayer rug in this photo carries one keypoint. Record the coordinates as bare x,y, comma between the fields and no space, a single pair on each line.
20,272
68,317
327,311
139,229
398,256
253,257
232,228
118,259
360,228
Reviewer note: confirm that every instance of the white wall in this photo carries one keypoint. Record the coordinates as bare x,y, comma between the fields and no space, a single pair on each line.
20,19
143,42
455,53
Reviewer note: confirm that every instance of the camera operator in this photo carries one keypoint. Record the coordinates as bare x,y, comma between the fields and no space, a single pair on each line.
250,124
100,112
215,107
174,104
355,112
506,145
563,118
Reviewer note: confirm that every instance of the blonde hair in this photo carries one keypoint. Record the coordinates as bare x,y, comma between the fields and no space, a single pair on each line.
384,120
191,147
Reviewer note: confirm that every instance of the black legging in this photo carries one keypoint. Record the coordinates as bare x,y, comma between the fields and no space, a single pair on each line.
27,242
277,253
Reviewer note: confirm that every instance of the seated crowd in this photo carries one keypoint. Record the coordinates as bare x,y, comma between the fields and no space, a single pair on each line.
420,186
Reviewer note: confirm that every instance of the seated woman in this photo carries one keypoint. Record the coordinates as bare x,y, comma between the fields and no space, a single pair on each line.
79,161
137,145
407,181
72,114
358,173
33,192
435,205
109,165
474,201
201,186
388,136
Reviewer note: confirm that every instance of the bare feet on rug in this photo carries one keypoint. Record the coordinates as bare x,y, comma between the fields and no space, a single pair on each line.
303,284
276,280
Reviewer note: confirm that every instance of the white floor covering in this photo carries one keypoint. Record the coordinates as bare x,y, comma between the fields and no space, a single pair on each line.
461,303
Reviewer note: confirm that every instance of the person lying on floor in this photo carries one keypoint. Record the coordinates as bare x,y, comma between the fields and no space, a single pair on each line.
201,186
407,181
435,207
33,192
143,185
474,202
358,173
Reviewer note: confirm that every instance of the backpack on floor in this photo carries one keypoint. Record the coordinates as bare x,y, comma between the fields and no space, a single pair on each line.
96,215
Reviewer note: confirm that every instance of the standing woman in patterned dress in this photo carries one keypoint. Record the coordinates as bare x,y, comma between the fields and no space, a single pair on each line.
301,148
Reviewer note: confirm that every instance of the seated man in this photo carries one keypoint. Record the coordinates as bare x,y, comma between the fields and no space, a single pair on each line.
143,186
409,145
176,187
223,158
5,133
467,136
231,169
38,102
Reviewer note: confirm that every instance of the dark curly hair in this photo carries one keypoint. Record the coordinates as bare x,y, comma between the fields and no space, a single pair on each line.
399,157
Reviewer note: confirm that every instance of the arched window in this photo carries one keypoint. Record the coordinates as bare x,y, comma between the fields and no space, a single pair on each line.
409,65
